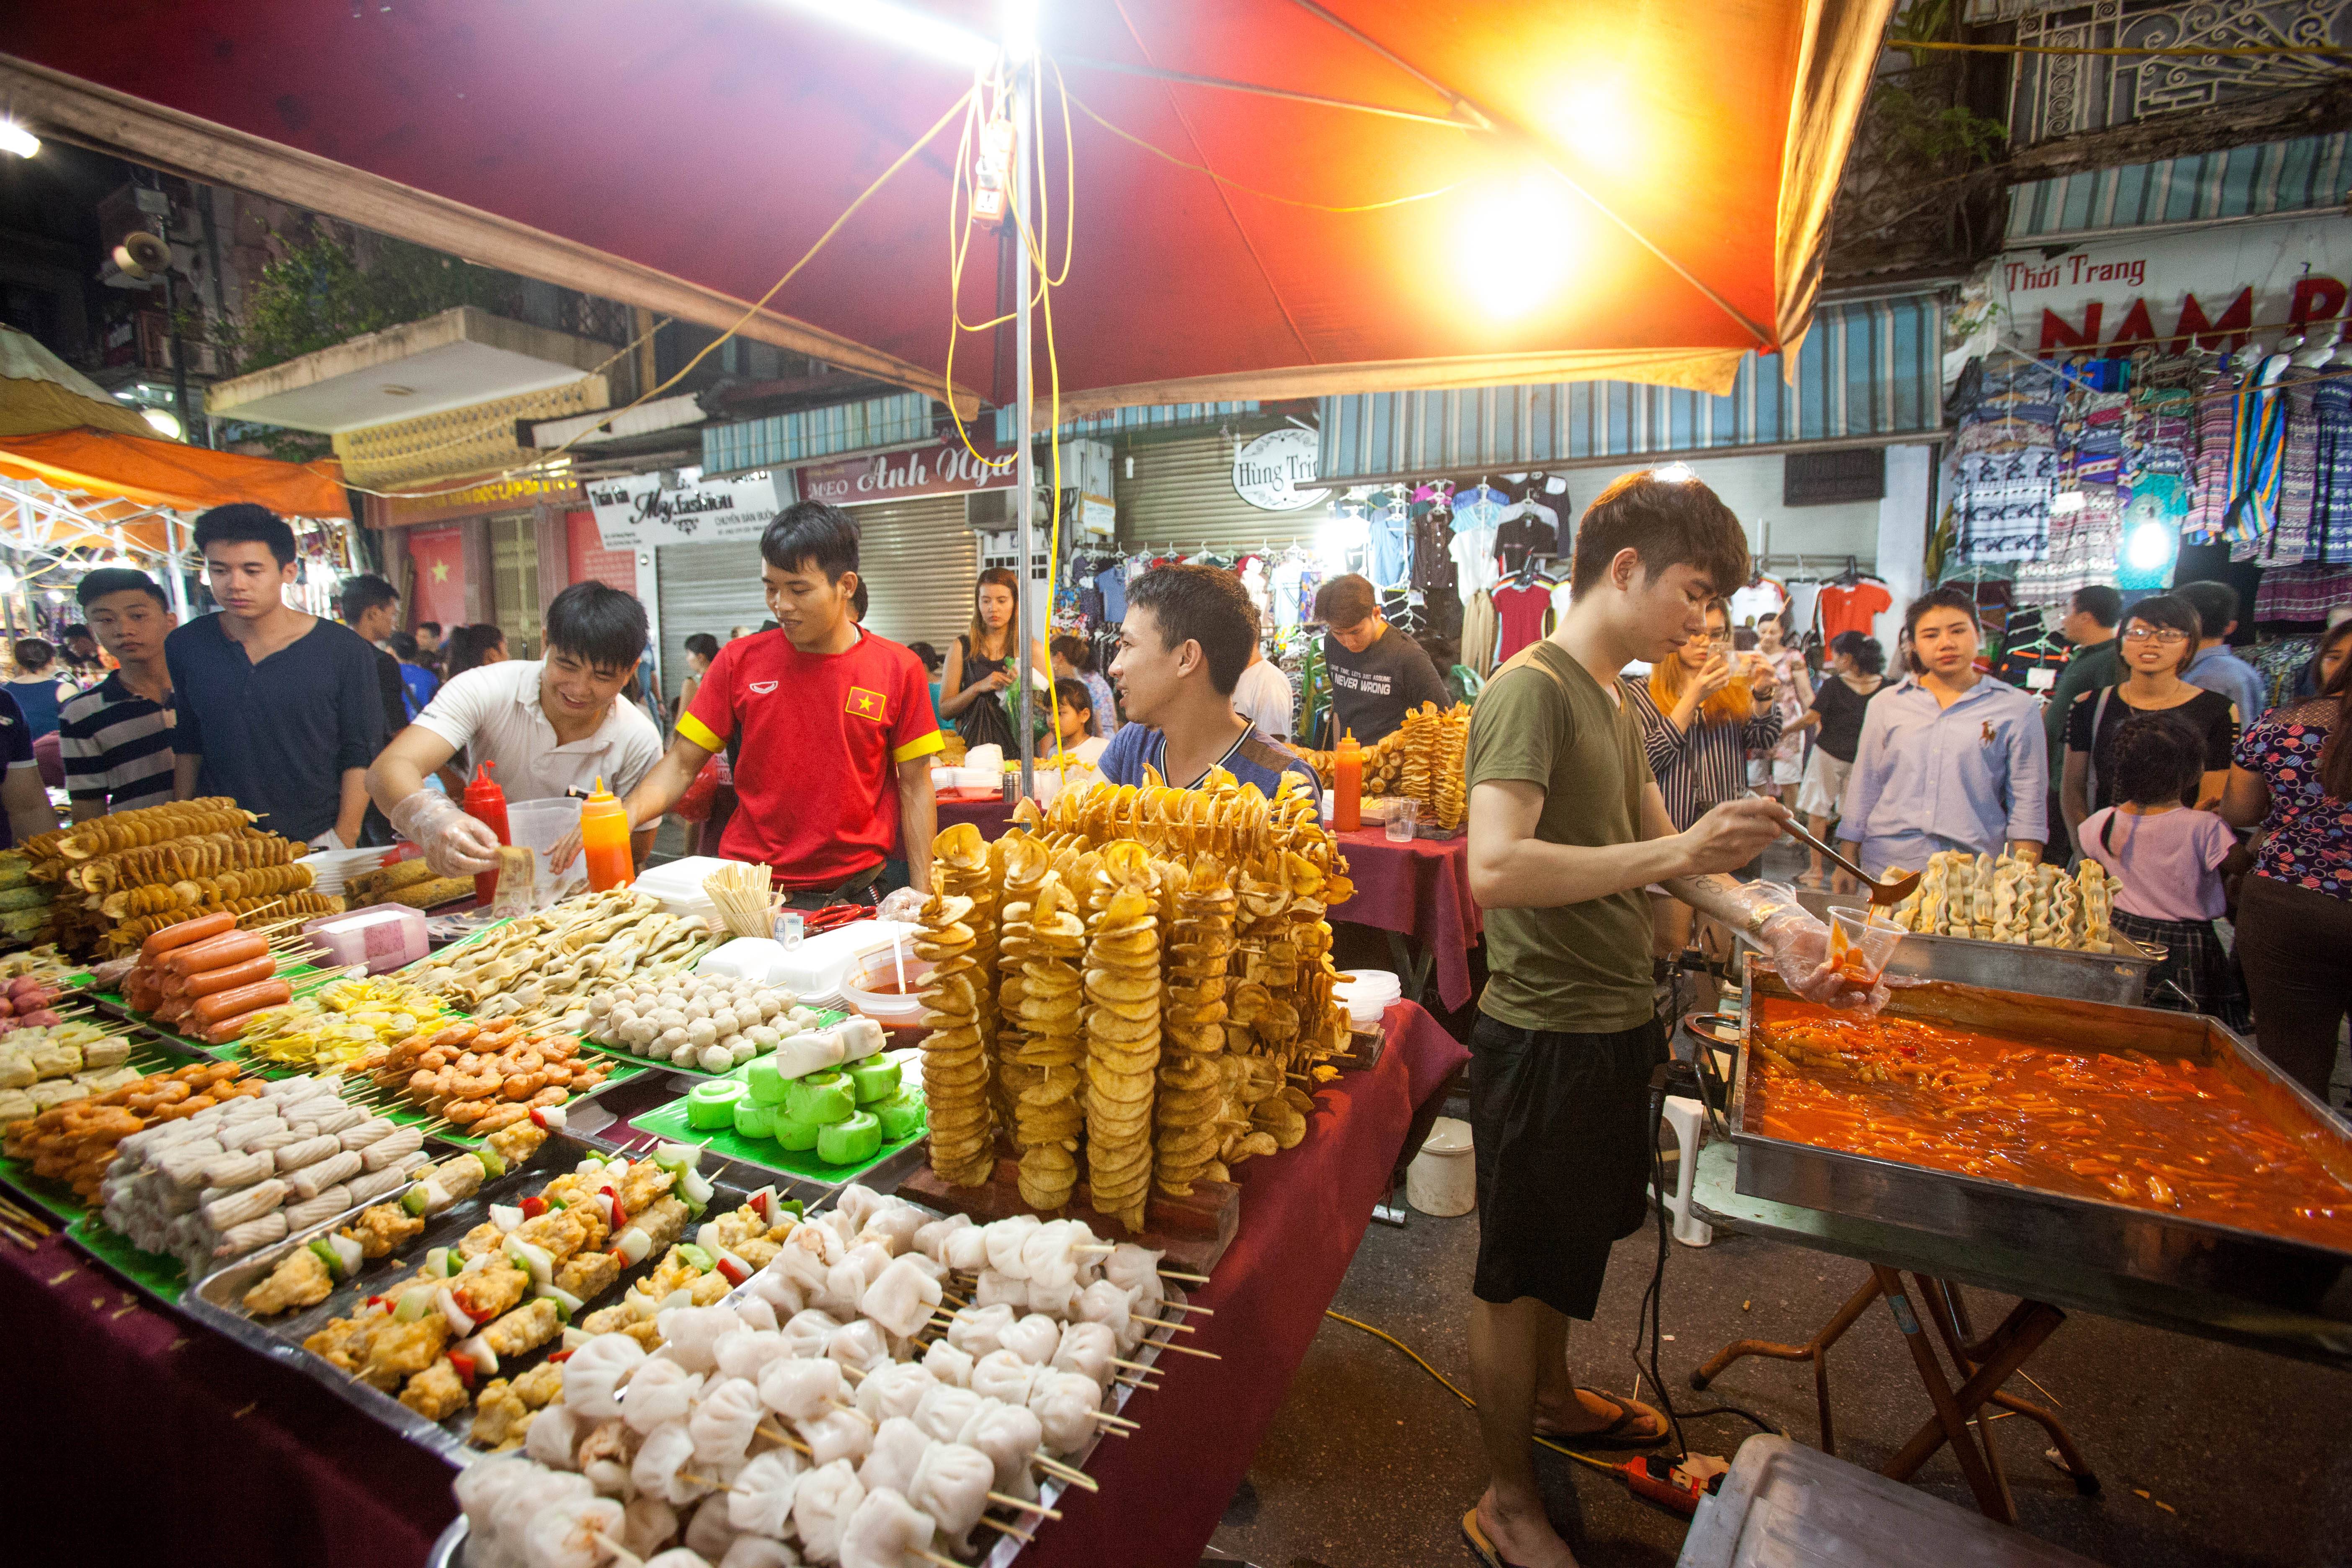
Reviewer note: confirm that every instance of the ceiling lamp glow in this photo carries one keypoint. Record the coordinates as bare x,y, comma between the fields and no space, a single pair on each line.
164,422
15,138
1513,252
1593,120
907,28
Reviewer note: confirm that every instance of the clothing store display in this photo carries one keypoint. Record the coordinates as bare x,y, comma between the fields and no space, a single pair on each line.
1388,545
2302,593
1475,559
1764,597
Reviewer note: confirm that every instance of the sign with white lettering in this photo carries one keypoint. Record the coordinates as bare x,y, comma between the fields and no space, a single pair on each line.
682,508
946,468
2217,286
1269,473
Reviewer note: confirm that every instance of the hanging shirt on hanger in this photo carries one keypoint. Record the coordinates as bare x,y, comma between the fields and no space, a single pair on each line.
1853,608
1764,597
1474,557
1388,546
1287,578
1524,531
1521,610
1480,634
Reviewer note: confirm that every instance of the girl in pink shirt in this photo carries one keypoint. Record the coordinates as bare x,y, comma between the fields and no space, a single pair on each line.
2168,859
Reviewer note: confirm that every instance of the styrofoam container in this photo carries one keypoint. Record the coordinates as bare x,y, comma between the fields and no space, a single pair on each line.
1443,1179
815,969
679,885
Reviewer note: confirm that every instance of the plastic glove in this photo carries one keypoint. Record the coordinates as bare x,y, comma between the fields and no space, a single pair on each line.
1798,947
906,904
455,844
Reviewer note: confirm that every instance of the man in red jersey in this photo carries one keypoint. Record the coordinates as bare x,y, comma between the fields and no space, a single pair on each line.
835,723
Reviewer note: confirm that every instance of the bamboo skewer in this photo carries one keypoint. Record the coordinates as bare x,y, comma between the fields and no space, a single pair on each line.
1036,1508
1187,1350
999,1525
1070,1473
1188,1307
788,1441
1188,1278
1164,1323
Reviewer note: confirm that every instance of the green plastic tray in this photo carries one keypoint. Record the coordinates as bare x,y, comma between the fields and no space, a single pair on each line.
52,1198
669,1121
152,1272
825,1020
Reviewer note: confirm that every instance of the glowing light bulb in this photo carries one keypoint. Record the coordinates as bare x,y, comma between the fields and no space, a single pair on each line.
2149,547
15,138
1591,118
1674,474
1519,245
163,422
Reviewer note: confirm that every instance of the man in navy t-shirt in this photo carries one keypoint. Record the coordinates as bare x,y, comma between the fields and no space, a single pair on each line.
1185,640
28,812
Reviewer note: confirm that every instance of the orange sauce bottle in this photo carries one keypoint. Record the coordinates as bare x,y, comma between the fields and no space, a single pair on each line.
1347,785
605,840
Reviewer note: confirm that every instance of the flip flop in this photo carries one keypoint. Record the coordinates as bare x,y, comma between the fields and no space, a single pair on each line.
1614,1435
1475,1540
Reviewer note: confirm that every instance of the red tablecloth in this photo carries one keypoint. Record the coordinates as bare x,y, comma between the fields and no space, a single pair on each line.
1421,889
991,815
143,1435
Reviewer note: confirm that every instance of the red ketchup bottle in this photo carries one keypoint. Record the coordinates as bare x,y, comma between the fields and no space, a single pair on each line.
486,802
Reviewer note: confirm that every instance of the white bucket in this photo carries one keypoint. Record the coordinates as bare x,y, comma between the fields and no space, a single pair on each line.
1443,1179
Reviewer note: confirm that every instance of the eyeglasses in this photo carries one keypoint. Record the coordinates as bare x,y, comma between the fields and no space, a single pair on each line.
2165,637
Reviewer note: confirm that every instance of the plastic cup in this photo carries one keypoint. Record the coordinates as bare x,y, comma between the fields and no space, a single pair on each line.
1862,943
1402,816
537,825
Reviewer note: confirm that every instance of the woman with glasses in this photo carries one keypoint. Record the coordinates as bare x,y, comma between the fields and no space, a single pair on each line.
2160,639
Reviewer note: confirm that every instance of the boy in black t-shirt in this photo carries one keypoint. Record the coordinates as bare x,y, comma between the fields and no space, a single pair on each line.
1378,675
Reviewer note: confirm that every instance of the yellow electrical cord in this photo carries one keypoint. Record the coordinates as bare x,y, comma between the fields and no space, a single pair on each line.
959,107
1450,1388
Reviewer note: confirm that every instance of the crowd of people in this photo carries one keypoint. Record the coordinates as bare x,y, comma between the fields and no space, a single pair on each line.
2153,753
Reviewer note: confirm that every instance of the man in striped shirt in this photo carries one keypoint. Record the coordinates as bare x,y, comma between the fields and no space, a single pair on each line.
117,736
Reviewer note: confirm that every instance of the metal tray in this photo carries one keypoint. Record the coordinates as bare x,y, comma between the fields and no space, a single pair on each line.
449,1550
218,1300
2119,977
2140,1244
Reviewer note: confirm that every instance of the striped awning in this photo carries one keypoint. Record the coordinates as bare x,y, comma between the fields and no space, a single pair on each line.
1868,368
782,440
2282,177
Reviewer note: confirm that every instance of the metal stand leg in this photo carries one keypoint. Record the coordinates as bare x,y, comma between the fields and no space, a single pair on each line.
1393,1211
1815,1350
1950,1424
1412,969
1943,1302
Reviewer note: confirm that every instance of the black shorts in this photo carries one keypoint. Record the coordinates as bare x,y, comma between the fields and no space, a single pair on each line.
1561,1133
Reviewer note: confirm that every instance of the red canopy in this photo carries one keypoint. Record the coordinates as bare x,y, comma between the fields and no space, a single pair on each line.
1648,198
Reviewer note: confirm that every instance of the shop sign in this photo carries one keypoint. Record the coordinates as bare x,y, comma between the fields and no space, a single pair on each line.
681,507
944,469
2217,286
1271,471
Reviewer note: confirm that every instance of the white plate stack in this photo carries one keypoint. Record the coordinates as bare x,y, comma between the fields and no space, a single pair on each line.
331,868
1366,994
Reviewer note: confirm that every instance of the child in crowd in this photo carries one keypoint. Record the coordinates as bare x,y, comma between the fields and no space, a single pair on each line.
1075,722
2168,860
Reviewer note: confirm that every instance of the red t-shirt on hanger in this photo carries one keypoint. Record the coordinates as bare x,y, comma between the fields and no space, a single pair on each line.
1852,609
1520,611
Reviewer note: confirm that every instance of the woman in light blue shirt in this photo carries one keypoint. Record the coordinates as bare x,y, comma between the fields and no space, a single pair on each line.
1950,759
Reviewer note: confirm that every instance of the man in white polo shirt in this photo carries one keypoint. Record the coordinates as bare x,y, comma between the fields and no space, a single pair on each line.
552,726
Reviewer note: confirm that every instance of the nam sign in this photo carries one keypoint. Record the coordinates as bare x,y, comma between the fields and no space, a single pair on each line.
2217,286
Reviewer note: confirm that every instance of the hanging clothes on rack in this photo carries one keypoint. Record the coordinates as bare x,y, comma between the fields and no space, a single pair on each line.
2257,468
1528,527
1481,632
1524,608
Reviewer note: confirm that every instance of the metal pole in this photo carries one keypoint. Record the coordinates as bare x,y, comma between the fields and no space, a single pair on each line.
171,569
1025,468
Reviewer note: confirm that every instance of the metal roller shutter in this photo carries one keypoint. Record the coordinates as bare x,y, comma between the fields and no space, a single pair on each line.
1182,495
920,560
705,588
514,581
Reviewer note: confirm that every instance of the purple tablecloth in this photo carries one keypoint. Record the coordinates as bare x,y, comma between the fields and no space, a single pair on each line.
1421,889
146,1437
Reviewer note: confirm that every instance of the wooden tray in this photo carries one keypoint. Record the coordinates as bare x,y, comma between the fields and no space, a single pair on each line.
1193,1232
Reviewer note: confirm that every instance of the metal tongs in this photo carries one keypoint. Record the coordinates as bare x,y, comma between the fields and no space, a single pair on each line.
1893,893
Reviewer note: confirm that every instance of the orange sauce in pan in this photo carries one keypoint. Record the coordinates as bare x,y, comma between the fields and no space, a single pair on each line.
2170,1135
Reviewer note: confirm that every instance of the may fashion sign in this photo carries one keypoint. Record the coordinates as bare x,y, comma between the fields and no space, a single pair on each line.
1274,472
2215,286
681,507
942,469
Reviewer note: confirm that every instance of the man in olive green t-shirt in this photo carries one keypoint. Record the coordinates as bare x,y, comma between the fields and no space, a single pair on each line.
1567,827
